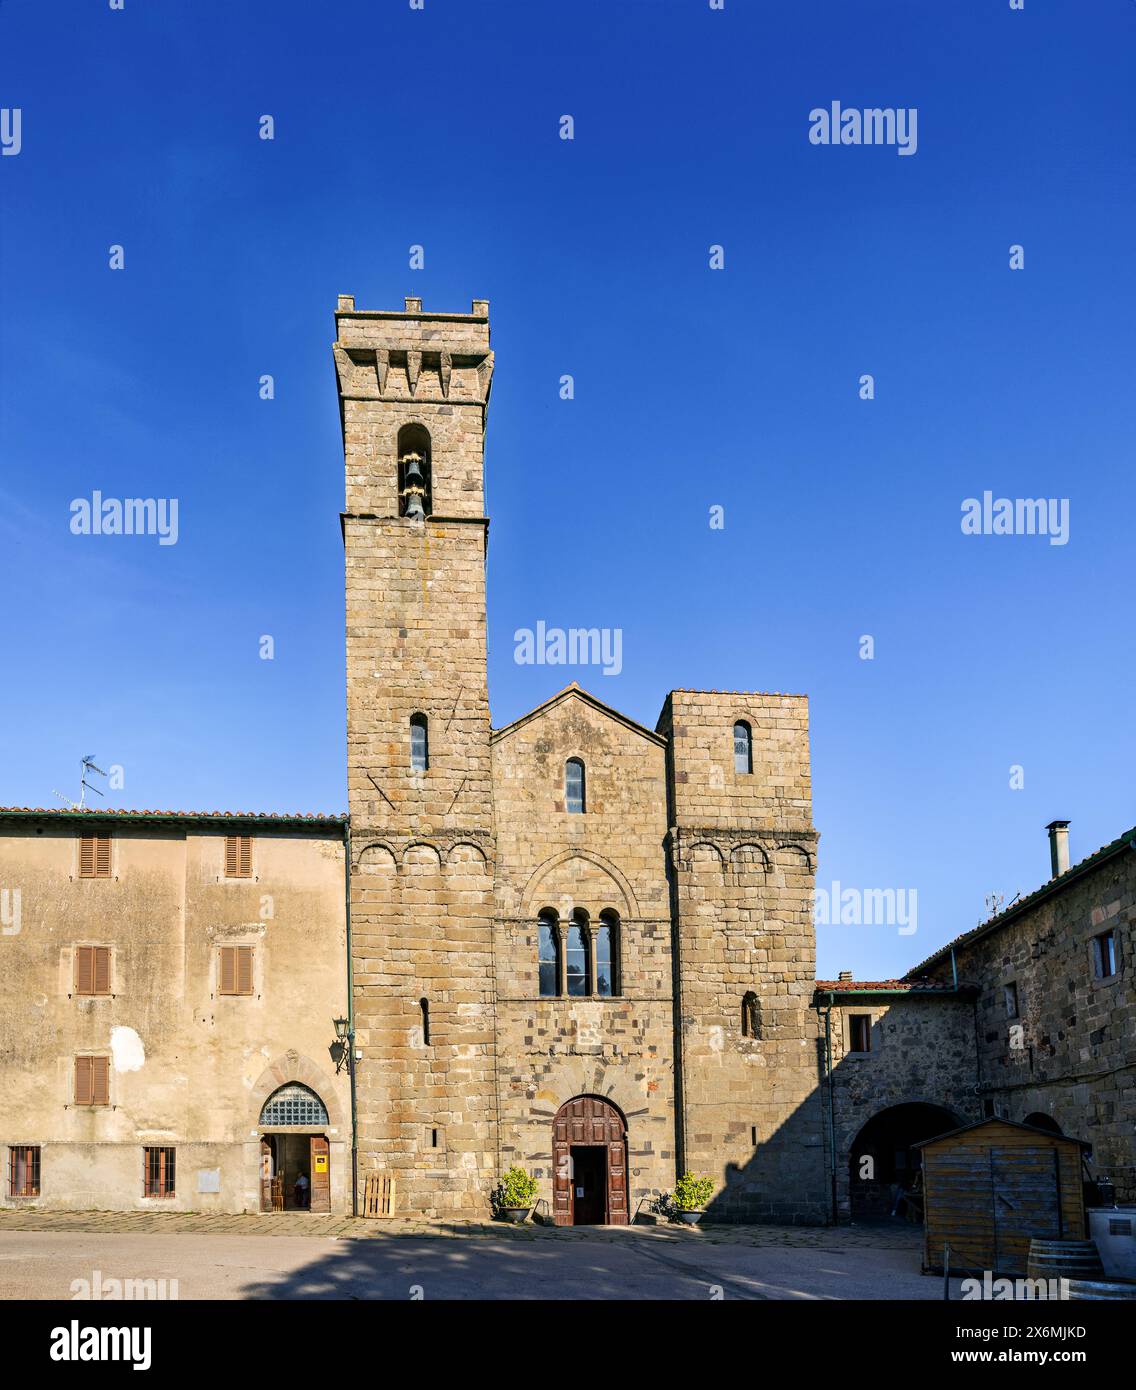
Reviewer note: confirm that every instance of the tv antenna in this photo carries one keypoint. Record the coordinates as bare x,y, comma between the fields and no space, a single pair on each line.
87,766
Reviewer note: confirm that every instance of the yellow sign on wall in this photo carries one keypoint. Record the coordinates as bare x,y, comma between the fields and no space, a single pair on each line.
321,1163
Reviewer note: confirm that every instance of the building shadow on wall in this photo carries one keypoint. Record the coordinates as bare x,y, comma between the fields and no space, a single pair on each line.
801,1174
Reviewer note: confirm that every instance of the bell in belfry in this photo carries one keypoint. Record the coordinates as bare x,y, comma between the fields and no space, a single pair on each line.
413,487
412,472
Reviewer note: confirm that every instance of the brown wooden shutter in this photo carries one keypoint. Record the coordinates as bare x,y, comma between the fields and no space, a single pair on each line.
100,1080
83,1080
101,970
94,856
84,970
244,969
238,856
236,970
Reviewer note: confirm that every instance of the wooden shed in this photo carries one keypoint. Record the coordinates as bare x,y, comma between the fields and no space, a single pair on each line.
991,1187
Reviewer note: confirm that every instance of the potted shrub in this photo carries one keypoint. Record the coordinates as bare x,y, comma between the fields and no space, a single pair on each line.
514,1195
690,1195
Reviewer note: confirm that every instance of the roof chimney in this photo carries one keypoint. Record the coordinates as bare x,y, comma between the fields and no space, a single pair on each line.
1058,846
844,976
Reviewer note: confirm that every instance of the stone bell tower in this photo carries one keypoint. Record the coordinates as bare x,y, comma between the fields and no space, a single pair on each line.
414,394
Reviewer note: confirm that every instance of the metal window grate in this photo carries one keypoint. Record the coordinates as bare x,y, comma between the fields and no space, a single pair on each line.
293,1105
23,1170
158,1172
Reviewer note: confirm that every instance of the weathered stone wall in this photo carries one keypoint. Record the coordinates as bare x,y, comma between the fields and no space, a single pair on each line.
742,862
185,1060
922,1053
611,857
422,901
1072,1055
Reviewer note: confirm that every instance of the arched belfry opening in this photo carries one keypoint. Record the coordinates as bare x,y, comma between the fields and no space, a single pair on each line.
414,459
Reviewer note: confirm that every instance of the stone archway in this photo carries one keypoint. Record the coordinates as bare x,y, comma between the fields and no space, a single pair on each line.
589,1163
883,1160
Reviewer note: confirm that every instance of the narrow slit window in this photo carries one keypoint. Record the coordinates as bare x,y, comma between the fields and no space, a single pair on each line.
424,1005
751,1015
574,794
419,743
549,956
1010,994
743,747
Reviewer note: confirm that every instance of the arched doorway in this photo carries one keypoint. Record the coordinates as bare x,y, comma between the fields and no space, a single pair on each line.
884,1166
1039,1120
589,1164
295,1164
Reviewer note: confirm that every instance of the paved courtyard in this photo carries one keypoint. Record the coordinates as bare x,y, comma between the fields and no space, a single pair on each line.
296,1255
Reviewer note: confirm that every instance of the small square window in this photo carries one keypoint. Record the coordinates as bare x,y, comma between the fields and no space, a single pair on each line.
1104,955
859,1032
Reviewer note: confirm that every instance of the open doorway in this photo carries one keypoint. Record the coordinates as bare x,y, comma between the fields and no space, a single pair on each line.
885,1168
589,1185
295,1172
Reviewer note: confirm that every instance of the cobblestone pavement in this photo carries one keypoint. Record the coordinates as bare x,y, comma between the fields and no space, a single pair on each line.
877,1237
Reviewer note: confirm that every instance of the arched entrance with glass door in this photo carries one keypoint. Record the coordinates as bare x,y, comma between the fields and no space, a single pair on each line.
589,1164
295,1163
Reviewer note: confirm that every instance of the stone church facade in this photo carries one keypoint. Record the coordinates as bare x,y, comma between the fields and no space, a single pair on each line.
573,836
574,944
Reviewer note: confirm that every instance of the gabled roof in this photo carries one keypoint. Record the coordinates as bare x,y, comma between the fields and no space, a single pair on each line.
576,692
998,1120
1055,885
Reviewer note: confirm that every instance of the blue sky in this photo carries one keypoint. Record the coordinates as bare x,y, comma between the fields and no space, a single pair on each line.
694,387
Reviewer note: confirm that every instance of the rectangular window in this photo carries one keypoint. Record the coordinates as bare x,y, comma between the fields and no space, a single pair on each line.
92,970
94,856
158,1173
1010,994
238,856
92,1080
859,1032
23,1170
1104,955
236,970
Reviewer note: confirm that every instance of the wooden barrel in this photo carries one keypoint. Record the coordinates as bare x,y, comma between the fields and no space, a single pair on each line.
1064,1259
1092,1291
